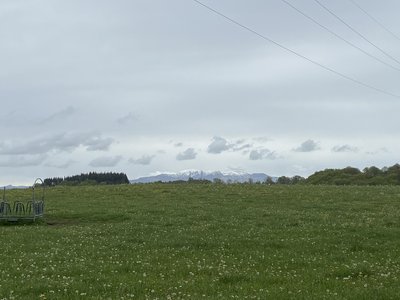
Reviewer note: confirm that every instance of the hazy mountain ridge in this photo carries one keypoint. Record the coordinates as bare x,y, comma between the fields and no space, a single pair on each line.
198,175
15,187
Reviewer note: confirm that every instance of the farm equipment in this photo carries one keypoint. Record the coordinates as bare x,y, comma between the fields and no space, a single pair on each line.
30,210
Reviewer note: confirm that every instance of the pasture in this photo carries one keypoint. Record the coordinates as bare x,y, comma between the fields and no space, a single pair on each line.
210,241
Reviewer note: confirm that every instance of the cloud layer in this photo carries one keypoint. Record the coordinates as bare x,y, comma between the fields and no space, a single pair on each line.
56,143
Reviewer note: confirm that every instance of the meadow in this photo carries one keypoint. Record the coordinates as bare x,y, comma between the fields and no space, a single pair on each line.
206,241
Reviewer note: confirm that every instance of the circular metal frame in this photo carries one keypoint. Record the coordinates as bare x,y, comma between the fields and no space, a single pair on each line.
24,210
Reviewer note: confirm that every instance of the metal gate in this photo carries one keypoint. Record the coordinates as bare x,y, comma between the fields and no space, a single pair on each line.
31,209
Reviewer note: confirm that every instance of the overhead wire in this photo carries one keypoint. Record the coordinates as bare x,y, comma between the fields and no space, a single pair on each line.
331,70
375,20
338,36
356,31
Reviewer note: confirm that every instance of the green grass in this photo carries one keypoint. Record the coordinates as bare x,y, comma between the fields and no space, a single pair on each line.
206,242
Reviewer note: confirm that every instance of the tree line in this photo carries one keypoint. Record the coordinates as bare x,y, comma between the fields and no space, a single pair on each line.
346,176
353,176
91,178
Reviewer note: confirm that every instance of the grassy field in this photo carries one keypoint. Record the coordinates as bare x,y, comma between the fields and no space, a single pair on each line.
206,242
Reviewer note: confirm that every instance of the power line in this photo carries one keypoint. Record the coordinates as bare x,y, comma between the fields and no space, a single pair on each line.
338,36
366,85
375,20
356,31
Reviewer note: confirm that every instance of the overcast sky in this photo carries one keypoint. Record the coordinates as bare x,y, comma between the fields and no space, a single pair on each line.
146,86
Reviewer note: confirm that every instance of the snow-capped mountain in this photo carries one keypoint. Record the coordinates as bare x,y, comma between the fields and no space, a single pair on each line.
206,175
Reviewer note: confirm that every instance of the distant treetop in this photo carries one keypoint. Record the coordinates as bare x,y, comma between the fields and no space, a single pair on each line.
89,179
353,176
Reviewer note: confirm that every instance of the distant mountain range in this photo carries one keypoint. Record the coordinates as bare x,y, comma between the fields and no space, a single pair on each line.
198,175
14,187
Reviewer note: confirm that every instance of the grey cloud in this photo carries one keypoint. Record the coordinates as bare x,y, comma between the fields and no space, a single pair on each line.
242,147
130,117
64,165
178,145
378,151
23,161
62,114
105,161
344,148
218,145
144,160
98,143
60,142
307,146
262,154
188,154
10,117
255,155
